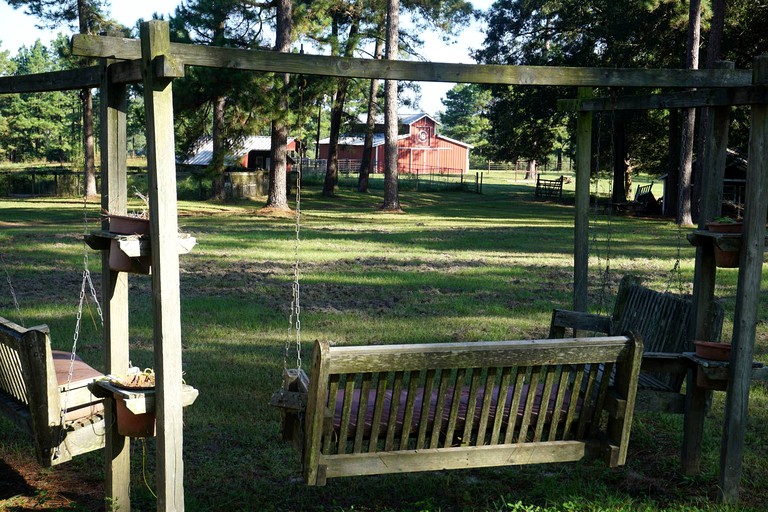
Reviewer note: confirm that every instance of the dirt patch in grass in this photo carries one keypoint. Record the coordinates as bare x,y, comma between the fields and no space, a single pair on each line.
24,485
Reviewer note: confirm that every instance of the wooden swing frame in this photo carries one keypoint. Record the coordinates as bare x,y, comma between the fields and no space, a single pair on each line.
156,62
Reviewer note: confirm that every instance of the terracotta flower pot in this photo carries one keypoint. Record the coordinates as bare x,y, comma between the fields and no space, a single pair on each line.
713,351
725,227
727,259
134,425
121,262
705,382
127,225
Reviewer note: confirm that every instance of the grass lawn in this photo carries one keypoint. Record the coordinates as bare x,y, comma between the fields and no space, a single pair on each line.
455,267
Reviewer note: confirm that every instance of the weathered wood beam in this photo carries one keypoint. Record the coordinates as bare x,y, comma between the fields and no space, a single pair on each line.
166,301
747,298
52,81
685,99
259,60
114,199
581,216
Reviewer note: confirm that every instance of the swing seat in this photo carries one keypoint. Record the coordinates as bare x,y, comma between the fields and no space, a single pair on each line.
664,322
425,407
34,391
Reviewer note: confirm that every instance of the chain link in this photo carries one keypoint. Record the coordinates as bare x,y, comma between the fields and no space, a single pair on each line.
13,292
76,336
294,319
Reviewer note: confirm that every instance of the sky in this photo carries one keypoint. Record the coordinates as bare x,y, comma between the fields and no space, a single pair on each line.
18,29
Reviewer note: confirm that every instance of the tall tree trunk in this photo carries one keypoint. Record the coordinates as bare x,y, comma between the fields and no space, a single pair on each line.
89,164
278,194
684,217
366,163
331,182
620,166
391,195
86,97
217,166
714,45
337,111
671,196
531,169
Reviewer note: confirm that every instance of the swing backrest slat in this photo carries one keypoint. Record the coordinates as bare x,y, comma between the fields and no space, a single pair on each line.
453,405
33,393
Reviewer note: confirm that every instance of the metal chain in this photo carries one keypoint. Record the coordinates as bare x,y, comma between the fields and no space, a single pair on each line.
73,354
609,222
294,319
597,195
13,292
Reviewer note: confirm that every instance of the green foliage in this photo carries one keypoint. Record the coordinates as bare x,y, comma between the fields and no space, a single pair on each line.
465,118
39,126
525,122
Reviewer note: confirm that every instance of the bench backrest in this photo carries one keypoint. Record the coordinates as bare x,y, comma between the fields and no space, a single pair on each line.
31,396
26,376
413,407
663,320
549,188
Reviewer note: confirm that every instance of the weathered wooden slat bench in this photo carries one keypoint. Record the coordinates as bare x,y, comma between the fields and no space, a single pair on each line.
34,391
400,408
663,320
549,189
644,202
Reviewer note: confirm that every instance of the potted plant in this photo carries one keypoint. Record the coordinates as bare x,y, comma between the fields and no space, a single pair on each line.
131,424
726,258
133,223
725,225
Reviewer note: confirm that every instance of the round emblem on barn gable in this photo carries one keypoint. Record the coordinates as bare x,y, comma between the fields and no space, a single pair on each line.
423,136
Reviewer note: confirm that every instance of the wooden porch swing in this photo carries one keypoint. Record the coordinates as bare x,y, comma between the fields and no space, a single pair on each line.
38,394
378,409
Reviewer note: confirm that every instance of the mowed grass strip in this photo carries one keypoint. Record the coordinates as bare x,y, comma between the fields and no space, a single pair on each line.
455,267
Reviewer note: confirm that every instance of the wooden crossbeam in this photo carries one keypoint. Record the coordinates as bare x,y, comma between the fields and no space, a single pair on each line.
260,60
683,99
52,81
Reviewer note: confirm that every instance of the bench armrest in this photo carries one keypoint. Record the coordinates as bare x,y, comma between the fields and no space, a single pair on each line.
563,319
665,362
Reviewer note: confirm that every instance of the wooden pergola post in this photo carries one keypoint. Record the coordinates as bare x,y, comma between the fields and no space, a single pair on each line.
114,199
705,270
747,295
163,214
581,220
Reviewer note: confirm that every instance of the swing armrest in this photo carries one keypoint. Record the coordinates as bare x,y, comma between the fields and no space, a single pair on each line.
665,362
563,319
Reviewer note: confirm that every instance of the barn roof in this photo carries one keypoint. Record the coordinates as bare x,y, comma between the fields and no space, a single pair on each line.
359,140
203,152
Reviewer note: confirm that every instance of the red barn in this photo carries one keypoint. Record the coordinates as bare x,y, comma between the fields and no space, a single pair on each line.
420,149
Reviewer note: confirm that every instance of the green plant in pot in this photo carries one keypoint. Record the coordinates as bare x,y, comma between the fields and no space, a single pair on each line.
726,258
725,225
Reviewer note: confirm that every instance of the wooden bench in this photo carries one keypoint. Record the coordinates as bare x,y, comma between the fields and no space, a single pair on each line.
34,391
644,202
549,189
664,321
424,407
